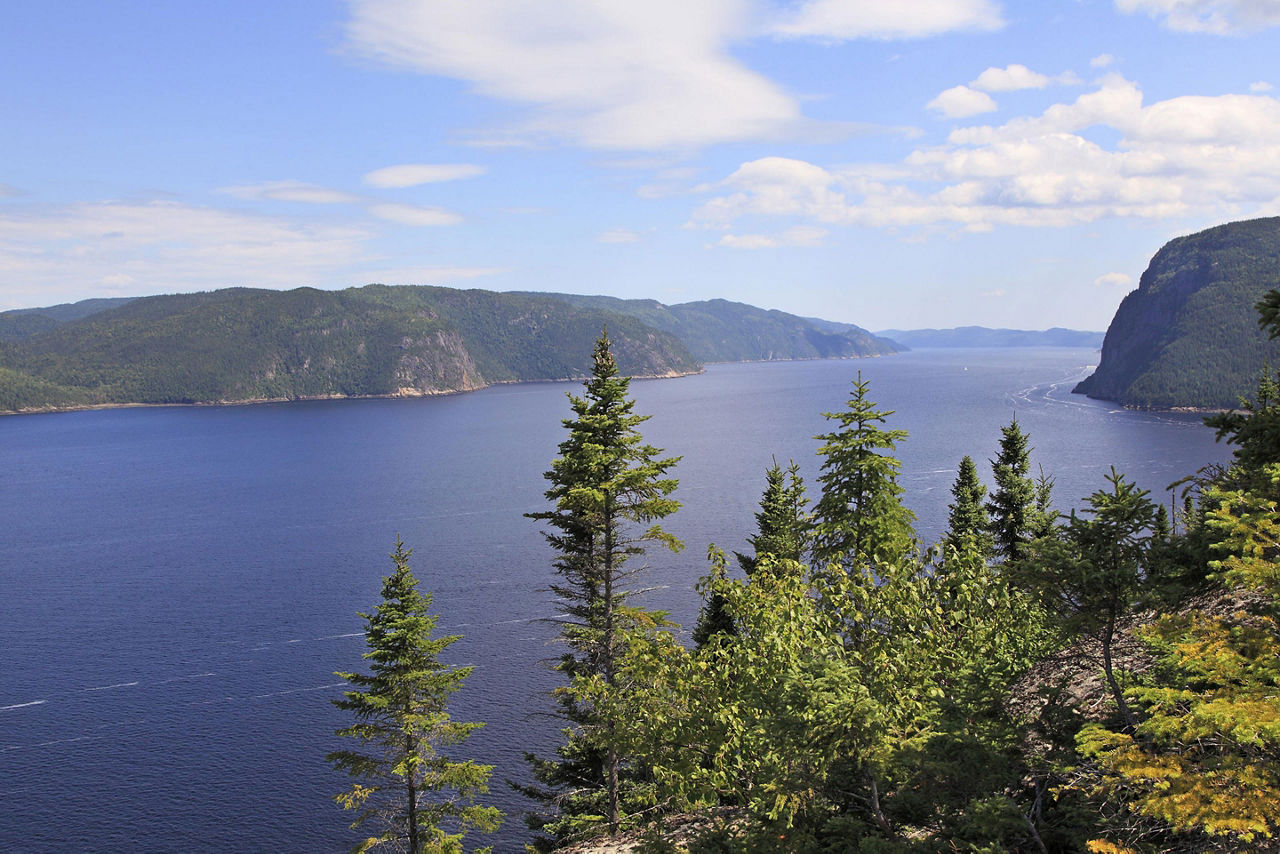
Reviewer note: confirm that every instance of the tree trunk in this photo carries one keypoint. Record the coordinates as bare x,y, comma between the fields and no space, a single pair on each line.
1126,714
414,847
611,759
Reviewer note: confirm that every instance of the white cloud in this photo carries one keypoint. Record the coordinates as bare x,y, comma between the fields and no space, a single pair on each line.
800,235
1208,156
1260,86
1113,280
1102,60
115,248
1009,79
414,174
992,294
414,214
618,235
291,191
1219,17
649,75
876,19
960,102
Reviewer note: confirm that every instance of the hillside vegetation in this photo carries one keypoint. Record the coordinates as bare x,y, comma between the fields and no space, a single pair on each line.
1188,336
243,344
722,331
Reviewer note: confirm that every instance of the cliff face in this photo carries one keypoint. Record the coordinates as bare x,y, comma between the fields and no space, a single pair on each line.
1189,336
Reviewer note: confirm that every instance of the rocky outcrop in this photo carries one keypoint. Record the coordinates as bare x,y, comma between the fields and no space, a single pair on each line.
1189,336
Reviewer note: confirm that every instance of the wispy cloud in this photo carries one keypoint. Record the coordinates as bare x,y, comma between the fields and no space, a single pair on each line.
618,235
413,214
426,275
117,248
1113,280
876,19
1218,17
292,191
415,174
650,75
800,235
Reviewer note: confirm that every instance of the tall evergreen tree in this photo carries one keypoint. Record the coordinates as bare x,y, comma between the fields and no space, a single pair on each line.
402,781
967,521
860,513
1012,505
782,531
608,491
782,523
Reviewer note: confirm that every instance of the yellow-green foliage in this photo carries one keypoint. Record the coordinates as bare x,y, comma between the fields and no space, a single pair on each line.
1206,757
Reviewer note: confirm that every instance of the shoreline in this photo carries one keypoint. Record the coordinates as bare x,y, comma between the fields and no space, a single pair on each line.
399,394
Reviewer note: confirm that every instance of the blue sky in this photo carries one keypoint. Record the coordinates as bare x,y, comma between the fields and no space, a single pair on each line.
891,164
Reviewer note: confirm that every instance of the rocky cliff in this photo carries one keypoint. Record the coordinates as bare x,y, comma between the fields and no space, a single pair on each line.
1189,336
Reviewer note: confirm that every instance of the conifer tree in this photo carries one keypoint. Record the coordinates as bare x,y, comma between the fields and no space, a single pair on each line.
860,513
1012,505
608,491
782,534
782,523
967,522
403,783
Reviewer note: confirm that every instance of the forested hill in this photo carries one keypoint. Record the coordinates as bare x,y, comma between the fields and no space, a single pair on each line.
722,331
243,344
982,336
1188,336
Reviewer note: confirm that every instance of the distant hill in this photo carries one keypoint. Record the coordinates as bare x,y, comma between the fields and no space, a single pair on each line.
722,331
981,336
242,344
1188,336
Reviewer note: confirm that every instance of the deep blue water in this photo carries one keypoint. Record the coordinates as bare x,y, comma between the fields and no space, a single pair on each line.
179,584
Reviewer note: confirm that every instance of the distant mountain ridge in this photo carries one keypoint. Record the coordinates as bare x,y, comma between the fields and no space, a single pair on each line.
982,336
242,344
719,330
1188,336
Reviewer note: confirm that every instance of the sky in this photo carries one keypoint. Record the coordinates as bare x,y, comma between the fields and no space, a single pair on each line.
918,163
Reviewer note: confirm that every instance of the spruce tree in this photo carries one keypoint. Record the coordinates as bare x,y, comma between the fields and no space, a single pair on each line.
608,491
782,531
967,521
1012,505
421,799
782,523
860,513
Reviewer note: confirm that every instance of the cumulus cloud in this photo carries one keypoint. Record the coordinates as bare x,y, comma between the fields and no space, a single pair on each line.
1219,17
618,235
414,214
1181,156
414,174
649,75
961,102
116,248
291,191
1260,86
875,19
1102,60
1009,79
1113,280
